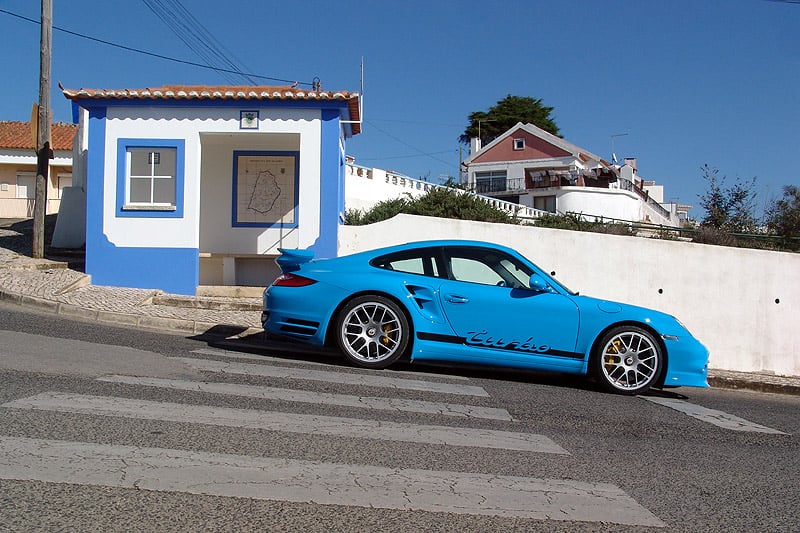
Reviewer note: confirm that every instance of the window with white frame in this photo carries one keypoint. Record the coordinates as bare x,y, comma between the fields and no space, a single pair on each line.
26,185
519,144
492,181
151,176
64,181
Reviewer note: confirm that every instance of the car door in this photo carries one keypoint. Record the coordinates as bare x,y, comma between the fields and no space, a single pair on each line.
489,304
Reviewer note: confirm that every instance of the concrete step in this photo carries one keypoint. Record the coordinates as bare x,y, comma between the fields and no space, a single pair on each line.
204,302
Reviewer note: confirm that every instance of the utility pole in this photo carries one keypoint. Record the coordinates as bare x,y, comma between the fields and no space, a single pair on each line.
43,149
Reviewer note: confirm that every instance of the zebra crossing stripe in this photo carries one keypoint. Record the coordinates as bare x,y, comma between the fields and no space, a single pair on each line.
303,396
348,378
264,478
288,422
712,416
267,358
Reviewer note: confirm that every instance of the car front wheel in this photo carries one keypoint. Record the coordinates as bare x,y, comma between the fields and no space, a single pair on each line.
372,331
629,360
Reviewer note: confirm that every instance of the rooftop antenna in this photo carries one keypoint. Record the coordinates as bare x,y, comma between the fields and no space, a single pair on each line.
613,153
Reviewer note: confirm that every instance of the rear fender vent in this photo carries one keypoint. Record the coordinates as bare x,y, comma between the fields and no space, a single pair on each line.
427,301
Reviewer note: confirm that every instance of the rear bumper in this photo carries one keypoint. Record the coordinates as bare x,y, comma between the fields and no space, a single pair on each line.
300,313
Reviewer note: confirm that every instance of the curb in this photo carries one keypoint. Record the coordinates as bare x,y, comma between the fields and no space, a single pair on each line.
743,383
172,325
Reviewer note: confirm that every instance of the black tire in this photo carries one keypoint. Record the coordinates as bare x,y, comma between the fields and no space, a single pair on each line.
627,360
372,331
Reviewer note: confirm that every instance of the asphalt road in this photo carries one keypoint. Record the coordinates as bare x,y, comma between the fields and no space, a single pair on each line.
113,429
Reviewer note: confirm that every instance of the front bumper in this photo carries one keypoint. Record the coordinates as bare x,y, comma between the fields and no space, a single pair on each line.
688,362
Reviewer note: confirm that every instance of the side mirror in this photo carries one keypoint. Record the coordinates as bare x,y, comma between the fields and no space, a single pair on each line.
538,284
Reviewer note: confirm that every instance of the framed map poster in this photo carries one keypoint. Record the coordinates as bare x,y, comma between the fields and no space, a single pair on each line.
265,188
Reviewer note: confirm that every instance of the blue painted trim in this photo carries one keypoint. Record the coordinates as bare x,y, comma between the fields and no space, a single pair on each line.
234,188
173,270
180,163
331,185
76,113
342,107
95,170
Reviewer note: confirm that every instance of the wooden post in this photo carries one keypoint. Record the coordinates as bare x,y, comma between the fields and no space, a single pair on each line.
43,149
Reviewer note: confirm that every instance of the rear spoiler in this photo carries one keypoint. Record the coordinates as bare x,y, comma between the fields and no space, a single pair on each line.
290,260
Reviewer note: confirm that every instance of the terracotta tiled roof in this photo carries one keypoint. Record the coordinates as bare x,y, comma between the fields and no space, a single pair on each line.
224,92
17,135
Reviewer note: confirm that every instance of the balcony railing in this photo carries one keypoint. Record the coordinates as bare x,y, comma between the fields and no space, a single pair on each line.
644,195
499,185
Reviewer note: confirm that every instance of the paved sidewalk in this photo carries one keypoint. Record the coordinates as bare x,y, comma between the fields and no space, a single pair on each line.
58,285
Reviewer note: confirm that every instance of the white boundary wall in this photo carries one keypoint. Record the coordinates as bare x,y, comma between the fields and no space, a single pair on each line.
744,305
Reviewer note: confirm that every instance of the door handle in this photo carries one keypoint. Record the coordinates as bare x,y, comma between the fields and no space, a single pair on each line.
456,299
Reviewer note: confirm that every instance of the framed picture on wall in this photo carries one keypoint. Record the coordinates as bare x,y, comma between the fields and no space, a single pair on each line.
265,188
248,120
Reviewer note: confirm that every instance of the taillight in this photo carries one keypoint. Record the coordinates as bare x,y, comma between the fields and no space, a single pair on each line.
292,280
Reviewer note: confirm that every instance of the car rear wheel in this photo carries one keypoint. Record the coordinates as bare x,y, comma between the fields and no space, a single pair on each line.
629,360
372,331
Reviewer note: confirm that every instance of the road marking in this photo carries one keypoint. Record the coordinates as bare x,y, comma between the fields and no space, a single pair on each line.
265,478
367,380
288,422
268,358
712,416
302,396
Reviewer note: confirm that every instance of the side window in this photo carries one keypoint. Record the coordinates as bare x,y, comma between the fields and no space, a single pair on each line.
488,267
412,266
521,277
420,262
474,271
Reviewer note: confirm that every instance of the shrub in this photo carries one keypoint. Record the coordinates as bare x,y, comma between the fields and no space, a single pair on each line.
438,202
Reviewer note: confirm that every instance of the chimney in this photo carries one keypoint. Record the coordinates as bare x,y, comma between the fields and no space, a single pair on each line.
474,145
631,162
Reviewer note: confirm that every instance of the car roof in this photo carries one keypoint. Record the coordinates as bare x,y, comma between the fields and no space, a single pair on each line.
414,245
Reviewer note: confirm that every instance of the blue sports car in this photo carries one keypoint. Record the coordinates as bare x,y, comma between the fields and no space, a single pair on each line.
477,303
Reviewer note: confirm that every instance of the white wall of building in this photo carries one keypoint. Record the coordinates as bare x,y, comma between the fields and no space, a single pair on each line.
364,187
216,167
742,304
609,203
135,123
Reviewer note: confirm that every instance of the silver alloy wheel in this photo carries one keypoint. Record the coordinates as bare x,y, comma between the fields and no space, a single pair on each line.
631,360
372,332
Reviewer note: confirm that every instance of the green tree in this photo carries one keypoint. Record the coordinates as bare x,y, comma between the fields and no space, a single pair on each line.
728,208
505,114
783,216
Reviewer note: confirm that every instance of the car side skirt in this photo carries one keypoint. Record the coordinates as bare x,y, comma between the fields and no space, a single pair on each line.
437,347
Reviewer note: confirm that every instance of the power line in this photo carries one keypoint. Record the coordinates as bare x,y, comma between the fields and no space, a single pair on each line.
159,56
197,37
401,141
405,156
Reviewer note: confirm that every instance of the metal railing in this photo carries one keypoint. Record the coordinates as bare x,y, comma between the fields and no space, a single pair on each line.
644,195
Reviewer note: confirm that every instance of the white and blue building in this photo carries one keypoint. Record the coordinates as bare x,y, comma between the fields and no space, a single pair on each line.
183,186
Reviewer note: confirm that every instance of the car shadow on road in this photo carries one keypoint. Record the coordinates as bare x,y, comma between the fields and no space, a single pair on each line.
235,339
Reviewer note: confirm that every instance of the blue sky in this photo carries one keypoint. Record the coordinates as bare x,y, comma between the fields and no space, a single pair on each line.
690,82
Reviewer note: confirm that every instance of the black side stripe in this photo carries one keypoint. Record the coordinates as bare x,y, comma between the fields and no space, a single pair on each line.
452,339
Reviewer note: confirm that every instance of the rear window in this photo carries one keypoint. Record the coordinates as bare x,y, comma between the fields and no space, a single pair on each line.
420,262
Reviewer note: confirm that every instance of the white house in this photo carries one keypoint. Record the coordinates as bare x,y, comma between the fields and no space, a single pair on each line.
18,162
200,185
533,167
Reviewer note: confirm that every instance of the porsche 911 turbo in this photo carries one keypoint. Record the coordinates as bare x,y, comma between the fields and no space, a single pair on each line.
475,303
